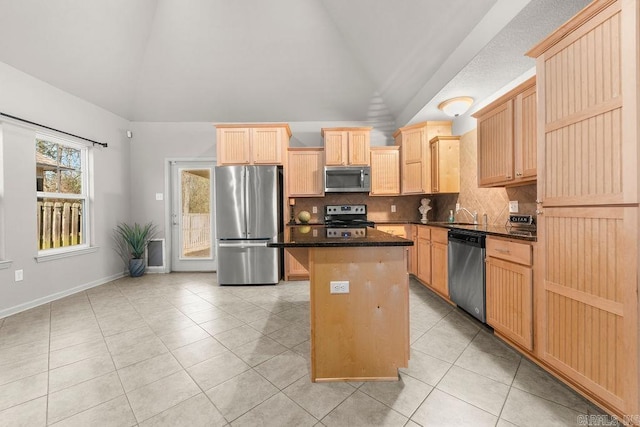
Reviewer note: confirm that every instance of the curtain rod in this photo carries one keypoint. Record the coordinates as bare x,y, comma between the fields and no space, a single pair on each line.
104,144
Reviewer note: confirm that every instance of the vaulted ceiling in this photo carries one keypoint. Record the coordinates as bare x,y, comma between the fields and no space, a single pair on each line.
276,60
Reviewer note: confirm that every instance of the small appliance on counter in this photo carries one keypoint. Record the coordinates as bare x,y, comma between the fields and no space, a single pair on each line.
521,225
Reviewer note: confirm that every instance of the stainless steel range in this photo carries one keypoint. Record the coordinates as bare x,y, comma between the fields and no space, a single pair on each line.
346,220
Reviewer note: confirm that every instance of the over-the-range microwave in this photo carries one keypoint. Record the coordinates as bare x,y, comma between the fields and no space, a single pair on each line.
347,179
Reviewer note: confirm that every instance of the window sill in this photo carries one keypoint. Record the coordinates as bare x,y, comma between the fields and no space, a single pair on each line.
66,254
5,264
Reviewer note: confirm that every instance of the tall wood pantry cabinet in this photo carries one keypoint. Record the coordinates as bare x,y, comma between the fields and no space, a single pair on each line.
252,144
507,140
586,290
415,154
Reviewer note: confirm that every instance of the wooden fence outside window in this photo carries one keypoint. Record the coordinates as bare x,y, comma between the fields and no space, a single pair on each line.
59,224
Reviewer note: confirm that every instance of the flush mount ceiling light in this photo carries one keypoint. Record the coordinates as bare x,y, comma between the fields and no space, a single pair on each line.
455,106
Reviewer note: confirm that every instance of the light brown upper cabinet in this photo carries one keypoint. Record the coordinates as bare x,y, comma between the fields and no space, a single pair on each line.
507,138
385,171
445,164
305,172
347,146
415,154
586,278
252,144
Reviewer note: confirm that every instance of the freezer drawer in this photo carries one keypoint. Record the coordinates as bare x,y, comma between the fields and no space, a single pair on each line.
247,263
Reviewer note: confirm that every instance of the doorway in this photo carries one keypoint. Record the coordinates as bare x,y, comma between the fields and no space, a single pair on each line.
192,219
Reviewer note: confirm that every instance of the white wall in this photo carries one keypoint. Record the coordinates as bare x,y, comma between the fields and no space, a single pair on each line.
24,96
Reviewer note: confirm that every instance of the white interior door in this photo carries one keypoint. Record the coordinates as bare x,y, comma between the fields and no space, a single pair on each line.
192,217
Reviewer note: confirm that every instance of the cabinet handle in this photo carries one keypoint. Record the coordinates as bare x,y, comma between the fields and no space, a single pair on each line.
503,251
508,177
539,211
518,174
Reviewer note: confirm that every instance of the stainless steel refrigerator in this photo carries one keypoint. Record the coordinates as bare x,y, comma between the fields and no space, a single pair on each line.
248,205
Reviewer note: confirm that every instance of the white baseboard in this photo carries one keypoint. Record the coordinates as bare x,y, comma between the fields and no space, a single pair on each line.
58,295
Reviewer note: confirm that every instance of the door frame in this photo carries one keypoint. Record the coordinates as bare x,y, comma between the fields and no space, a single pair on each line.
168,200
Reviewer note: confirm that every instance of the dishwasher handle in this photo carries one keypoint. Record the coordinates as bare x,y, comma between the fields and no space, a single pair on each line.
470,239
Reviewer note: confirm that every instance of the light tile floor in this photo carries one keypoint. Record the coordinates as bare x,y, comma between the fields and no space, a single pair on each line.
178,349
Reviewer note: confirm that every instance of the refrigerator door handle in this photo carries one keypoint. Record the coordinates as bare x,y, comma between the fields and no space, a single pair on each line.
243,245
245,188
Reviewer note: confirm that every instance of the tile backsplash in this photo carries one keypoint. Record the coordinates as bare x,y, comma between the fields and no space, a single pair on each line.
492,201
378,208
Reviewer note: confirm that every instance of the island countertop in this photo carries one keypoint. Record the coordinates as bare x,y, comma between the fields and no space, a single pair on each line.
315,236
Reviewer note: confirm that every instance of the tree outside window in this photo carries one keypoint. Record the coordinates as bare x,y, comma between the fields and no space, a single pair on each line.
62,193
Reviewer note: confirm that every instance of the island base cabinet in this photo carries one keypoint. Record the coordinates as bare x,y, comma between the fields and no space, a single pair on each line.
362,335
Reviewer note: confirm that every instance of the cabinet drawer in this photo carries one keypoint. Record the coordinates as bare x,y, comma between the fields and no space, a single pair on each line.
440,235
396,230
509,250
424,232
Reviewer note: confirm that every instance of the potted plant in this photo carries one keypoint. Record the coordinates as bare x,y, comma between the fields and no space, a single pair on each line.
131,242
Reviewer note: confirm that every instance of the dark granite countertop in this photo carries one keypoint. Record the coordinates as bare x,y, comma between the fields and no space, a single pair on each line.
493,230
315,236
490,230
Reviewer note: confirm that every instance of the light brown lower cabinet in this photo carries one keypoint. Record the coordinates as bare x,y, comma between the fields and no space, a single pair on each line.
509,279
431,258
294,268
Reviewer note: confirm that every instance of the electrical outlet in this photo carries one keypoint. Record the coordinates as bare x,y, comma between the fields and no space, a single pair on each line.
339,286
159,196
19,275
513,206
393,208
314,209
457,207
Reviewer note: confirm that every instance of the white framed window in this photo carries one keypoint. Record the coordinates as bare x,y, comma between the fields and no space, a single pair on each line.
62,188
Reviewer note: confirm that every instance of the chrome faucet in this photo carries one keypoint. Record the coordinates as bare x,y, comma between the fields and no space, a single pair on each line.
473,215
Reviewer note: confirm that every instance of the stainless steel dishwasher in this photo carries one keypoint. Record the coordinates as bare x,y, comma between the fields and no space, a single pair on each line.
466,251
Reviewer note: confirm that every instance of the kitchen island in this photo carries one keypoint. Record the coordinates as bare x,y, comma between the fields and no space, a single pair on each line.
360,331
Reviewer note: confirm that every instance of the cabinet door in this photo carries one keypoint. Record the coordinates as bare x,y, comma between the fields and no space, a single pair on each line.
435,167
424,260
510,300
445,164
234,146
358,147
293,267
305,172
412,250
439,272
495,146
385,171
335,147
266,146
412,162
526,144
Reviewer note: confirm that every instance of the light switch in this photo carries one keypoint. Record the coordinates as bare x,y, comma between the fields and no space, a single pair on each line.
159,196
